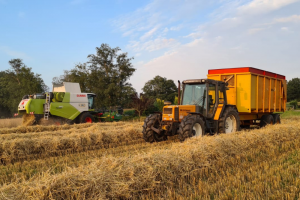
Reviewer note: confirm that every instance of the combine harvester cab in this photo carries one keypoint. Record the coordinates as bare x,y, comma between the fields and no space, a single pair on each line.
66,104
228,100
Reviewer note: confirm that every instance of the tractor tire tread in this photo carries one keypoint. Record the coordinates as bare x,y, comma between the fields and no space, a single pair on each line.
186,126
222,119
148,133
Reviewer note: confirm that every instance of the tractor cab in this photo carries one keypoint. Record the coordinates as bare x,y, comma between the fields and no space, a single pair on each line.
204,94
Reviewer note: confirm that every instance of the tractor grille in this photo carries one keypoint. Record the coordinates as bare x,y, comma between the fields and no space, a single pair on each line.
167,110
176,113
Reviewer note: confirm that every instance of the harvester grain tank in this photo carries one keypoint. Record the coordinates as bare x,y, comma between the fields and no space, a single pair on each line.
222,103
66,103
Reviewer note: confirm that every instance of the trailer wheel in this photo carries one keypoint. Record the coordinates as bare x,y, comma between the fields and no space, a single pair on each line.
265,120
150,135
191,126
230,121
276,119
86,118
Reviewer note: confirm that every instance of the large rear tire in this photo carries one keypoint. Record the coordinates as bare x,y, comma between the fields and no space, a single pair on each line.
191,126
150,135
230,121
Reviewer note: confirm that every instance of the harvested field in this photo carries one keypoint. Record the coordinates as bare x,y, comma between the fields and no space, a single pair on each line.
112,161
9,123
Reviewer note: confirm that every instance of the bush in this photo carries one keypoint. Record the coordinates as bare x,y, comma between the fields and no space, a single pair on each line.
159,104
150,110
294,103
129,112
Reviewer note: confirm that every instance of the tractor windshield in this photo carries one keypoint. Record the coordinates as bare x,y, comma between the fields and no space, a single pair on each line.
194,95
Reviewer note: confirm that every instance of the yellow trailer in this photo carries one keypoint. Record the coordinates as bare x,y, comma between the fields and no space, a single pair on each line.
223,103
253,91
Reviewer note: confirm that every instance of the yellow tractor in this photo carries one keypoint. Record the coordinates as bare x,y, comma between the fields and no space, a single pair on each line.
229,99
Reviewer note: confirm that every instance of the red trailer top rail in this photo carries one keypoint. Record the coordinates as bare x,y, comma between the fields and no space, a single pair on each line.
245,69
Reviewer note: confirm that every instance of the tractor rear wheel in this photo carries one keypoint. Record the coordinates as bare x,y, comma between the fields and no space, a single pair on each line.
86,118
191,126
230,121
150,135
266,119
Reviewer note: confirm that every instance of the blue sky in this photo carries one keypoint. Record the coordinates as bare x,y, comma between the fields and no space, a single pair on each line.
176,39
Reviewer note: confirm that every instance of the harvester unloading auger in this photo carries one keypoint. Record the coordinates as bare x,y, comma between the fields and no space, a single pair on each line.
228,99
66,104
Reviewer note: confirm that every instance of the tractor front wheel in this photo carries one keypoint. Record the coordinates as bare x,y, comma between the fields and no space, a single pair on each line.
230,121
150,135
191,126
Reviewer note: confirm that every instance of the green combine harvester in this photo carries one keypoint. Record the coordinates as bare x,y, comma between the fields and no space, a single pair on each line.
65,104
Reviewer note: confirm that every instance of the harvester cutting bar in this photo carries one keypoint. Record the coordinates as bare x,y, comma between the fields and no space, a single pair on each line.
47,106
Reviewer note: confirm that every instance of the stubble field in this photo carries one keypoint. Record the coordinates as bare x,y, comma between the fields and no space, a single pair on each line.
112,161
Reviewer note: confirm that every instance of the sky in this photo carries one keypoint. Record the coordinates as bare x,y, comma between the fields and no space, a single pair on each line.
176,39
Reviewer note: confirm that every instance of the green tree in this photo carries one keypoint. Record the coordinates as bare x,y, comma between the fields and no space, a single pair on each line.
176,100
294,103
16,82
106,74
293,89
159,104
160,88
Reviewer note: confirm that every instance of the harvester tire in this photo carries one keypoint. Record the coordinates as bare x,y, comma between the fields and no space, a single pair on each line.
86,118
276,119
191,126
266,119
230,121
150,135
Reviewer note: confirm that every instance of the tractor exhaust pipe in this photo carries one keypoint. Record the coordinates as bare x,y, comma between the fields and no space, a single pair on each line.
178,92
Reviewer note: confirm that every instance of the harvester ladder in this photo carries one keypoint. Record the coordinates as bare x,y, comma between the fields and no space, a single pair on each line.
47,106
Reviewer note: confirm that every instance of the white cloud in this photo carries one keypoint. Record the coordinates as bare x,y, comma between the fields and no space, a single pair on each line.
284,28
264,6
193,35
152,24
149,33
232,38
153,45
293,18
176,28
255,30
166,30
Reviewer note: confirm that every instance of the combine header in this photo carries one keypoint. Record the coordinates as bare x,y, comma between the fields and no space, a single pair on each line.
228,99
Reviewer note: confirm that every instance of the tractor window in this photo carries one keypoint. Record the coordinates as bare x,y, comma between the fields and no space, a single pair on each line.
194,95
211,97
91,101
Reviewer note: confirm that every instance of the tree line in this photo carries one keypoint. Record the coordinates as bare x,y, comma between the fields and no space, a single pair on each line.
106,73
